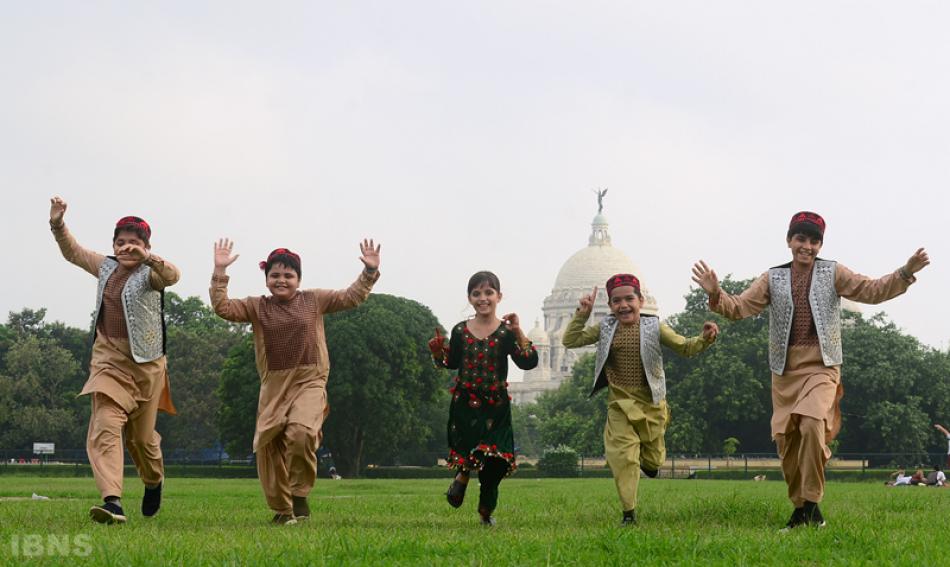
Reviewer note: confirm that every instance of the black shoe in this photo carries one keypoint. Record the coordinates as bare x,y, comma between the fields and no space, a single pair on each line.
456,493
812,515
797,519
283,520
487,519
301,508
649,472
629,518
152,500
108,513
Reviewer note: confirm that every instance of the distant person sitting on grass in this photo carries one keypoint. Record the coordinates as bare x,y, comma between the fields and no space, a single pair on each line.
128,375
936,477
899,478
630,364
918,477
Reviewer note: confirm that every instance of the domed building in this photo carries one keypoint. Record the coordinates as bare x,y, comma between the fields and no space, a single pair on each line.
588,267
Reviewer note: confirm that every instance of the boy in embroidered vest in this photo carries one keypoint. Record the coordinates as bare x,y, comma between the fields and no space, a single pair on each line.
128,377
630,364
804,302
290,349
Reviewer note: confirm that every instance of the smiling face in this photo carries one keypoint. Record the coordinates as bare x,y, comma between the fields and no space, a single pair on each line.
282,281
484,298
125,238
804,249
625,303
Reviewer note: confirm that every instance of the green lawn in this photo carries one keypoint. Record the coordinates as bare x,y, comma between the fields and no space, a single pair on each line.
545,521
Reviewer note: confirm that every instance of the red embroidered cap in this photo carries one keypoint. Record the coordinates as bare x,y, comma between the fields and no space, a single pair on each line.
807,218
138,222
621,280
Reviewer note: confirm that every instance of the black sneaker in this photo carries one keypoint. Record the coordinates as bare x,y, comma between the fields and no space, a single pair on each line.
629,518
283,520
152,500
107,513
649,472
797,519
301,508
812,515
456,493
487,519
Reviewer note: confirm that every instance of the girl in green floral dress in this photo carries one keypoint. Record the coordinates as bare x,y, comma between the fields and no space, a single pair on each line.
479,429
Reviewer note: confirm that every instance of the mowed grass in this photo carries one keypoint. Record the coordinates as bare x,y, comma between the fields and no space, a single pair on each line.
407,522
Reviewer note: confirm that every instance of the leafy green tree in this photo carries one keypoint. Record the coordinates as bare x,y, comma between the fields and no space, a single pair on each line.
383,389
238,392
198,342
569,417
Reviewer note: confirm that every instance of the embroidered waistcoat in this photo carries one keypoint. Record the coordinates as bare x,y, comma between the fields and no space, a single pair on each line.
143,309
650,354
825,308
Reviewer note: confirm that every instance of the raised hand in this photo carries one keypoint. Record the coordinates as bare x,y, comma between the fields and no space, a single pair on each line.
437,344
370,254
512,323
587,302
57,208
222,254
706,278
710,331
917,262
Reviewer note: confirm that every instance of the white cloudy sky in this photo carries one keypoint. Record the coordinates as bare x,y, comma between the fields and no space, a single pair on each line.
469,135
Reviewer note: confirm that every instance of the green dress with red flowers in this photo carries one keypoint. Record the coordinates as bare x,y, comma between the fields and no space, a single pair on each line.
480,413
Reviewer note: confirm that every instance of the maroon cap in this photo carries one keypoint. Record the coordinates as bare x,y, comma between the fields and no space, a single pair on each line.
125,222
807,217
620,280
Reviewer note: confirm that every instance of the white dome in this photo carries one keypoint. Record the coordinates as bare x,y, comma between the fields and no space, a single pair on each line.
592,266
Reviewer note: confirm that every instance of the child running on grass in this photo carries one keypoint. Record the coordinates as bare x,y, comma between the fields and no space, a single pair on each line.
291,353
630,364
804,302
128,376
479,430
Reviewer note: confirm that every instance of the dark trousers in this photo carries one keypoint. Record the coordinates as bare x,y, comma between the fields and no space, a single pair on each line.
489,478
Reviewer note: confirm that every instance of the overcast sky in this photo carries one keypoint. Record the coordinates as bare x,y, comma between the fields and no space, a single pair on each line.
467,136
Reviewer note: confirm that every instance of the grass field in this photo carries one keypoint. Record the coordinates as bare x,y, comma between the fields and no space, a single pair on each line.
407,522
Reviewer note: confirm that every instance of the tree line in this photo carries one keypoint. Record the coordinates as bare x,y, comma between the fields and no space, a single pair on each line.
389,404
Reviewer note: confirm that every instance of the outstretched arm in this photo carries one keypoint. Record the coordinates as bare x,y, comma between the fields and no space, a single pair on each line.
71,250
237,310
688,346
942,429
337,300
747,304
857,287
524,355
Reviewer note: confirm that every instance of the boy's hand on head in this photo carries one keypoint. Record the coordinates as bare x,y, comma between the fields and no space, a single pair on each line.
917,262
57,209
710,331
370,254
222,253
587,302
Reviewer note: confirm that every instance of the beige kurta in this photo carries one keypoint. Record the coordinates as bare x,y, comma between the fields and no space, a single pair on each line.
290,350
808,387
112,370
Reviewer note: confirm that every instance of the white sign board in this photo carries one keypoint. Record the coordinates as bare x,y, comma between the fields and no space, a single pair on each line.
43,448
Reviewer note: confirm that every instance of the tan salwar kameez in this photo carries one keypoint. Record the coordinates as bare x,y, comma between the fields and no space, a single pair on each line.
126,395
292,361
806,412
